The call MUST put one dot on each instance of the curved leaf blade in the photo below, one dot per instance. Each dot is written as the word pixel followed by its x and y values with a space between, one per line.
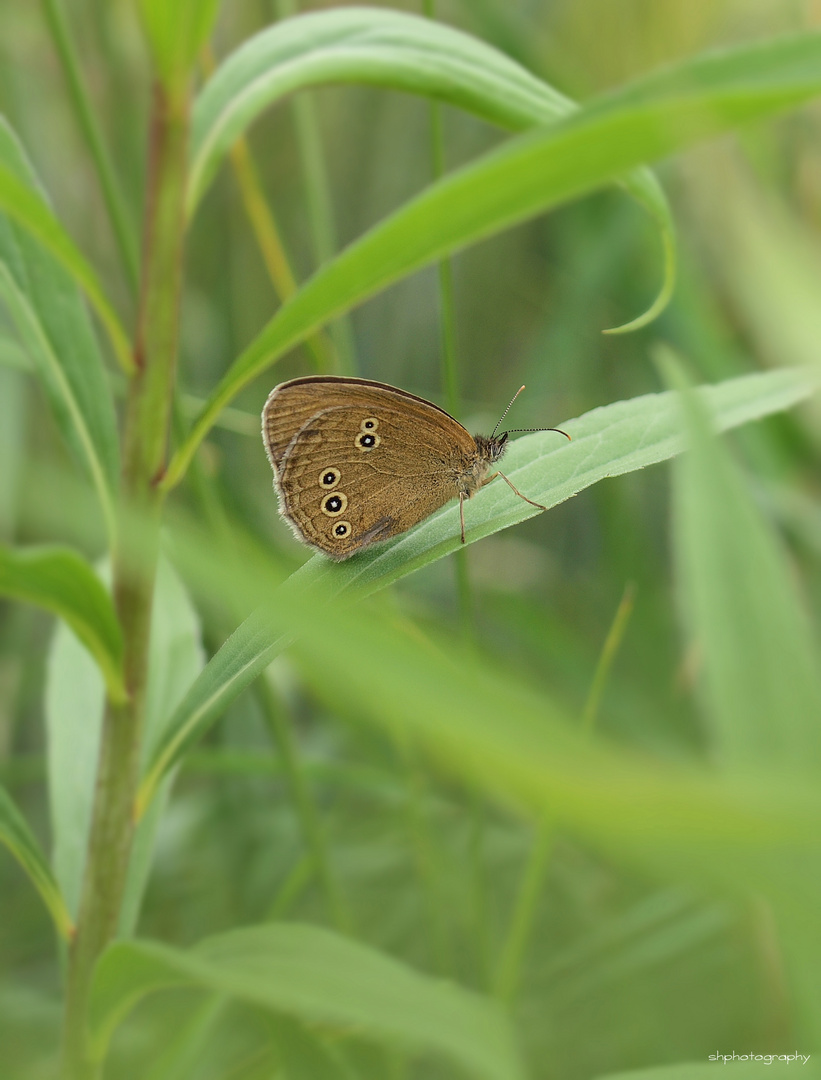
pixel 18 838
pixel 402 52
pixel 315 975
pixel 30 211
pixel 55 329
pixel 59 580
pixel 608 441
pixel 533 172
pixel 365 45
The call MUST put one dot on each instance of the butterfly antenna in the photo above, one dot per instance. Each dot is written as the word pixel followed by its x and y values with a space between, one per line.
pixel 507 410
pixel 558 429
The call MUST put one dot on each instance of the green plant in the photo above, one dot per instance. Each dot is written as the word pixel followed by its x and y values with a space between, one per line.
pixel 334 1002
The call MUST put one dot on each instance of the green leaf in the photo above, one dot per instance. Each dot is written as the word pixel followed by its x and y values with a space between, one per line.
pixel 317 976
pixel 760 664
pixel 398 51
pixel 26 206
pixel 531 173
pixel 18 838
pixel 176 32
pixel 74 709
pixel 54 327
pixel 608 441
pixel 59 580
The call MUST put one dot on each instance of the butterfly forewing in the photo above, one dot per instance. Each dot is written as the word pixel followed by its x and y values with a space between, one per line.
pixel 291 404
pixel 365 467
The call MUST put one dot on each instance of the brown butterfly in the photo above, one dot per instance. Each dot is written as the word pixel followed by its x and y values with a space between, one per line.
pixel 357 461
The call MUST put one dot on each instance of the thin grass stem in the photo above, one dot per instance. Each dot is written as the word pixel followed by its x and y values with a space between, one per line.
pixel 608 654
pixel 320 205
pixel 310 823
pixel 115 203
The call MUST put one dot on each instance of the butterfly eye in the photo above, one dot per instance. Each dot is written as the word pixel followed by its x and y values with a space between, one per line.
pixel 369 424
pixel 329 478
pixel 366 441
pixel 342 528
pixel 334 504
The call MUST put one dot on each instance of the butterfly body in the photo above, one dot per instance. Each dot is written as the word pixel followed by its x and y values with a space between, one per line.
pixel 357 461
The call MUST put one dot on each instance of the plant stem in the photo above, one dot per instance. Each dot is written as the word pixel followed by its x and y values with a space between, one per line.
pixel 115 204
pixel 148 410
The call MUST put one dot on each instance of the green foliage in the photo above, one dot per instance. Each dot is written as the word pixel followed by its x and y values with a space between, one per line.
pixel 512 893
pixel 528 175
pixel 17 837
pixel 316 976
pixel 60 581
pixel 739 596
pixel 74 715
pixel 612 440
pixel 54 326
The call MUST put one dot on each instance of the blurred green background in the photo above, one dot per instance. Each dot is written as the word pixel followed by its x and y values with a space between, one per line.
pixel 620 970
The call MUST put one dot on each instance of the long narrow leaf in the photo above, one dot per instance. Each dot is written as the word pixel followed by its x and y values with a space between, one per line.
pixel 390 49
pixel 60 581
pixel 27 208
pixel 531 173
pixel 317 976
pixel 16 835
pixel 609 441
pixel 761 667
pixel 54 327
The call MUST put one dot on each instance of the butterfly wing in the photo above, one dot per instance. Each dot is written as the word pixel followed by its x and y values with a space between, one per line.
pixel 369 468
pixel 291 404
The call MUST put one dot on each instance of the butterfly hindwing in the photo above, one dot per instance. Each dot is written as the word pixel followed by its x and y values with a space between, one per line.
pixel 369 469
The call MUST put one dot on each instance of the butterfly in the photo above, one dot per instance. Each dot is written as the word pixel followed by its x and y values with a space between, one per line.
pixel 356 462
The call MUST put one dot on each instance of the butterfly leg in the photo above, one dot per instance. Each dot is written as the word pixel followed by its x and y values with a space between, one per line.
pixel 513 487
pixel 462 513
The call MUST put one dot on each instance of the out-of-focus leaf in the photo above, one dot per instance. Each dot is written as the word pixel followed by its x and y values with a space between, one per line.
pixel 761 668
pixel 27 207
pixel 396 50
pixel 608 441
pixel 74 709
pixel 54 327
pixel 59 580
pixel 176 32
pixel 16 835
pixel 642 122
pixel 320 977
